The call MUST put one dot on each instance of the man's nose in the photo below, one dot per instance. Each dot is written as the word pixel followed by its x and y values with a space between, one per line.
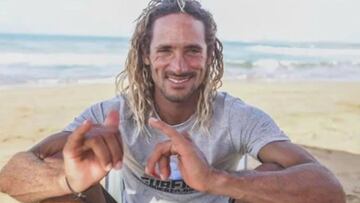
pixel 177 63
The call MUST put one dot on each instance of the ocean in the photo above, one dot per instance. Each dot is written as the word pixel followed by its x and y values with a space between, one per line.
pixel 56 59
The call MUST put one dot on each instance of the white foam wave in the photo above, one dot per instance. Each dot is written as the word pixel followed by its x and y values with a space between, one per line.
pixel 61 59
pixel 267 63
pixel 274 63
pixel 295 51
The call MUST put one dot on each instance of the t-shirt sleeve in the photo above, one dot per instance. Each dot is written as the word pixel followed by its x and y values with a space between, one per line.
pixel 252 129
pixel 95 113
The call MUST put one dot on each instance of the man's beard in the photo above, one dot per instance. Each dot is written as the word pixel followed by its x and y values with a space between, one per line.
pixel 180 98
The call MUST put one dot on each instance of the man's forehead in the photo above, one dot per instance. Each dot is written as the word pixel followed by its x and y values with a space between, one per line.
pixel 184 18
pixel 178 27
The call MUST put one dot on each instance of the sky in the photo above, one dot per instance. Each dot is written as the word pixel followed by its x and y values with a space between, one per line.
pixel 245 20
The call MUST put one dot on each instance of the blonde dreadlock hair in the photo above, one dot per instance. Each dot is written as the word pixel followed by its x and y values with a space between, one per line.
pixel 135 81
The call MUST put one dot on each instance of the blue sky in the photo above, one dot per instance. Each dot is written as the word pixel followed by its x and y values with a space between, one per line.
pixel 248 20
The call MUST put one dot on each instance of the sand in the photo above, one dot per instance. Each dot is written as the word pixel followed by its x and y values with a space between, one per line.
pixel 323 116
pixel 320 114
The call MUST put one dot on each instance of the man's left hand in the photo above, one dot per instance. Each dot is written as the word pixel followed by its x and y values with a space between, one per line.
pixel 192 163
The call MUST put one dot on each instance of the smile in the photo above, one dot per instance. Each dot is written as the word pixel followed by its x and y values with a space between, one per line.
pixel 177 80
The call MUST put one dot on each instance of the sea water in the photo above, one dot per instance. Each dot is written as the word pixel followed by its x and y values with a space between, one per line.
pixel 54 59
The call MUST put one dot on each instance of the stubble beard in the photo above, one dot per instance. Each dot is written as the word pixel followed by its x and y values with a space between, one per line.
pixel 194 90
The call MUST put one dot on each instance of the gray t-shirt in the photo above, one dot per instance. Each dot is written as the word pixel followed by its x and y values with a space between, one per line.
pixel 236 129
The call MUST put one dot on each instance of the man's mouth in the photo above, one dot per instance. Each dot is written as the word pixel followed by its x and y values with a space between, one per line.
pixel 179 79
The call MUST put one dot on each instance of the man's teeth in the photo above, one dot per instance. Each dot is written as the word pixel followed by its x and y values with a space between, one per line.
pixel 177 81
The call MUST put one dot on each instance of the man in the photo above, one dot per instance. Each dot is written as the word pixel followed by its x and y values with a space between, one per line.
pixel 174 137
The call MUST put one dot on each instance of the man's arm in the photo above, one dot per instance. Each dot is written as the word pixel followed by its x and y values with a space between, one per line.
pixel 36 174
pixel 303 179
pixel 84 157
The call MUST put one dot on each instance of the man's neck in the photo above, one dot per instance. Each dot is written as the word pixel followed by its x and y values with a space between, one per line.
pixel 175 112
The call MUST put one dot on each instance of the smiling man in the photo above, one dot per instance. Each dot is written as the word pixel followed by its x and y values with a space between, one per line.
pixel 170 136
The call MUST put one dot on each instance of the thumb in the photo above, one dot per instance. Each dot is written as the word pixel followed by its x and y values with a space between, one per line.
pixel 112 119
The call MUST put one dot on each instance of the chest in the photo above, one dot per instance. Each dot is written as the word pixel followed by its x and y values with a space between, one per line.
pixel 216 146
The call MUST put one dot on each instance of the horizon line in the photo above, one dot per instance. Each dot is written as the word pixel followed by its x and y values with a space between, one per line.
pixel 67 35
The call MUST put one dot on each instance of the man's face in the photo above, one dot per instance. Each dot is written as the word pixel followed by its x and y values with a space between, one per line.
pixel 178 56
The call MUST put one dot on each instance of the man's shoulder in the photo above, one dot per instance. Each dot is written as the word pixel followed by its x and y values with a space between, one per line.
pixel 112 103
pixel 226 100
pixel 117 103
pixel 235 106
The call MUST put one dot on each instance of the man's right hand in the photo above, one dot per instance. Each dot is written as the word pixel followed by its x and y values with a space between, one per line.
pixel 91 151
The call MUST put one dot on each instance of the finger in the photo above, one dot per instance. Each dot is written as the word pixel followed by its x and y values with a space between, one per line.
pixel 101 151
pixel 76 139
pixel 166 129
pixel 115 145
pixel 119 139
pixel 115 149
pixel 164 167
pixel 161 149
pixel 99 129
pixel 112 119
pixel 113 142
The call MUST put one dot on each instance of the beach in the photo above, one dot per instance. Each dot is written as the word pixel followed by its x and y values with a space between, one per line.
pixel 322 116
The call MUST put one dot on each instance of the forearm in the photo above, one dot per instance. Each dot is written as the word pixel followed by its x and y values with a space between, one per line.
pixel 302 183
pixel 28 178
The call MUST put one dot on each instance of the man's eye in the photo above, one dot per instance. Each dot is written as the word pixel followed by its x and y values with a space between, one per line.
pixel 194 51
pixel 163 50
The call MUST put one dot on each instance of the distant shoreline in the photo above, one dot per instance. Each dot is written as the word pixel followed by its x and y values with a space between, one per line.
pixel 50 59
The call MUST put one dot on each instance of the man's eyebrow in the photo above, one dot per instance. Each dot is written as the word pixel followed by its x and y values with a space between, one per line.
pixel 194 46
pixel 190 46
pixel 163 46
